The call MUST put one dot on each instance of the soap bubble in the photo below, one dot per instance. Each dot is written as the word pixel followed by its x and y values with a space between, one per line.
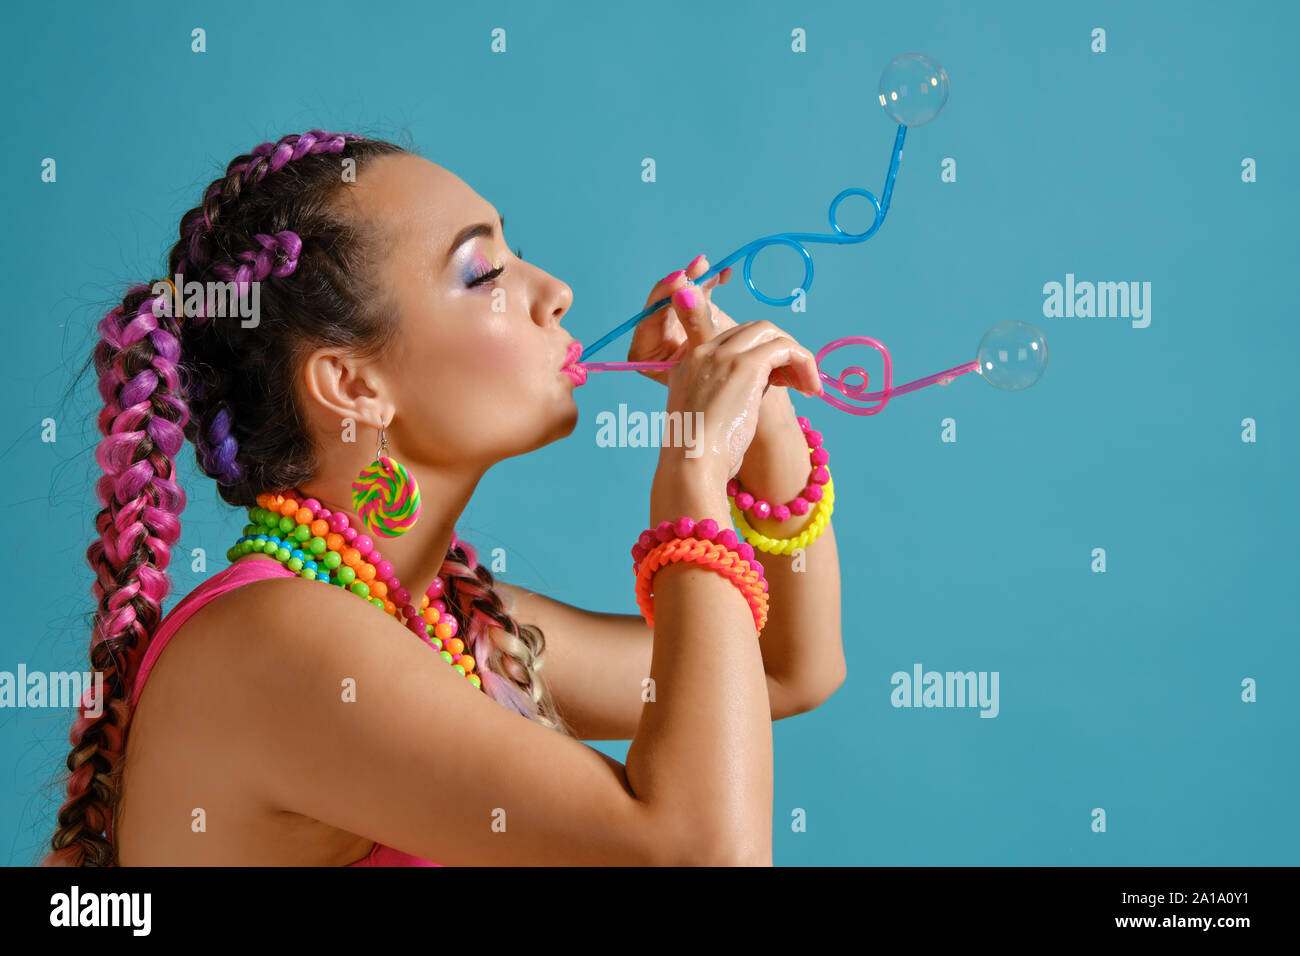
pixel 913 89
pixel 1012 355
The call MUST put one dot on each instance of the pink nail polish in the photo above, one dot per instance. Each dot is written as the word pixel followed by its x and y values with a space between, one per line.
pixel 696 261
pixel 674 276
pixel 684 298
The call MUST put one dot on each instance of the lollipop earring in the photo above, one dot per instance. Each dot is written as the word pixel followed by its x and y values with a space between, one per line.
pixel 385 495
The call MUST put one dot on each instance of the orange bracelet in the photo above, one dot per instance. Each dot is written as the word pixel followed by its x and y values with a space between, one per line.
pixel 718 557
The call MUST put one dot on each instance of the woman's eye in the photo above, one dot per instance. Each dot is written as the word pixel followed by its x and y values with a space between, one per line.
pixel 491 274
pixel 488 276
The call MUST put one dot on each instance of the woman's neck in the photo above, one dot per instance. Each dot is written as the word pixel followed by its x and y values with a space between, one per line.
pixel 417 555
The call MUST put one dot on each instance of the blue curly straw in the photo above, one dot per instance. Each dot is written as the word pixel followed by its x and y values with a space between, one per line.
pixel 793 239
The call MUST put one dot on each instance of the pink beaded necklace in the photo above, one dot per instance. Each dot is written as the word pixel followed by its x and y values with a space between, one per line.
pixel 322 545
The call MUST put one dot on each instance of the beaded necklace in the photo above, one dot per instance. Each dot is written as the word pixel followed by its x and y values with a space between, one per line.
pixel 321 545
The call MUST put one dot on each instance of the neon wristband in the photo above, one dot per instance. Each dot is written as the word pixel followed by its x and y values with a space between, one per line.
pixel 716 557
pixel 786 545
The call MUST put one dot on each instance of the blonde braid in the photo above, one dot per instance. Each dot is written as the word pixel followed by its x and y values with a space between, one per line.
pixel 511 655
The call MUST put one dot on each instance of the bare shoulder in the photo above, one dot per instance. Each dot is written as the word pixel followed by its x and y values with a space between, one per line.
pixel 283 636
pixel 334 714
pixel 194 765
pixel 360 724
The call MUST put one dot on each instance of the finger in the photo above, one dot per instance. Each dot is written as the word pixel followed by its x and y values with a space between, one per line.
pixel 695 314
pixel 746 335
pixel 699 265
pixel 671 335
pixel 785 357
pixel 665 287
pixel 802 372
pixel 655 336
pixel 717 279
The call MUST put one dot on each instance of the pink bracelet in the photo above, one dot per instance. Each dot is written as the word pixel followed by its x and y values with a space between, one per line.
pixel 706 530
pixel 707 554
pixel 758 509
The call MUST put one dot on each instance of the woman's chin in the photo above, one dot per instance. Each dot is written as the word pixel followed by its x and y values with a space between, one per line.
pixel 563 422
pixel 570 418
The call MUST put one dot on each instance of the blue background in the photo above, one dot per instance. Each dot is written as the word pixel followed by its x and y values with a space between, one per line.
pixel 1119 690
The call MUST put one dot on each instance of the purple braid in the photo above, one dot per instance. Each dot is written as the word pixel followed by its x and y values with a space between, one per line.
pixel 266 158
pixel 218 449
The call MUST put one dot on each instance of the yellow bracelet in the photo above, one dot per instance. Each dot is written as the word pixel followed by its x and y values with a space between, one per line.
pixel 809 534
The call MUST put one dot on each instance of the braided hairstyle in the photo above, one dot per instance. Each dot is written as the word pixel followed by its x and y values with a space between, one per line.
pixel 227 388
pixel 514 653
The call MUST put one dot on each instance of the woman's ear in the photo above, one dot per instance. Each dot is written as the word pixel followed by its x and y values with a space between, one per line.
pixel 343 387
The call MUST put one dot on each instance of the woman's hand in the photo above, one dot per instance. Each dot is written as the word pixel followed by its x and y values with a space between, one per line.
pixel 660 336
pixel 723 376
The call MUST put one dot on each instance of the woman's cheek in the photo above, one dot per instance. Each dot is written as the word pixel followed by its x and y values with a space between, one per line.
pixel 504 352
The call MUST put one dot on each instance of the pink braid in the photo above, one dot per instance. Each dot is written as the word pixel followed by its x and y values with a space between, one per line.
pixel 143 426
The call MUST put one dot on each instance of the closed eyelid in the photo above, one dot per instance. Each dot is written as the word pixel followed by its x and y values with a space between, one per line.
pixel 470 232
pixel 477 268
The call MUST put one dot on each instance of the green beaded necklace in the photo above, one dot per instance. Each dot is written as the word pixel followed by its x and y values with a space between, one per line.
pixel 291 542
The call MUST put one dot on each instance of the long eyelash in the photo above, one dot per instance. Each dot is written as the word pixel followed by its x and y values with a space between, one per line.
pixel 489 276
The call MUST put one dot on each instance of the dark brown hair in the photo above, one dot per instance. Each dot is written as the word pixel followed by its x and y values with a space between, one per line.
pixel 227 388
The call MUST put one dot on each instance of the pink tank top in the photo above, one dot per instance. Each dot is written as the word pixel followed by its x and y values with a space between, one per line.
pixel 241 572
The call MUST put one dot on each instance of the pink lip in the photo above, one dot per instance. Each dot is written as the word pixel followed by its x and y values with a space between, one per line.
pixel 577 374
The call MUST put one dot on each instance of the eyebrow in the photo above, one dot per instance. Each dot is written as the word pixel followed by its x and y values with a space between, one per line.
pixel 469 232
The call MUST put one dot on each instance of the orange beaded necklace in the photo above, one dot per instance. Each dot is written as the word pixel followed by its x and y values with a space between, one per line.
pixel 321 545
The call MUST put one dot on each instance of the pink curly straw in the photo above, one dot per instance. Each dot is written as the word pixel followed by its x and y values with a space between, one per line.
pixel 857 392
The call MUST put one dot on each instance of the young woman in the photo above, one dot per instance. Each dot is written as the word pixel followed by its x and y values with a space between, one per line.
pixel 289 722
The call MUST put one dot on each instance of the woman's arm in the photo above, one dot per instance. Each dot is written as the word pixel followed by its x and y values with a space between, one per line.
pixel 802 643
pixel 596 662
pixel 332 711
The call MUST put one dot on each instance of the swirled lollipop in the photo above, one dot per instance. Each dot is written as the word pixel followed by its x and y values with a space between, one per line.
pixel 386 497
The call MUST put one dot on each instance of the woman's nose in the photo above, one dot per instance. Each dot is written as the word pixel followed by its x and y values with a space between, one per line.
pixel 558 303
